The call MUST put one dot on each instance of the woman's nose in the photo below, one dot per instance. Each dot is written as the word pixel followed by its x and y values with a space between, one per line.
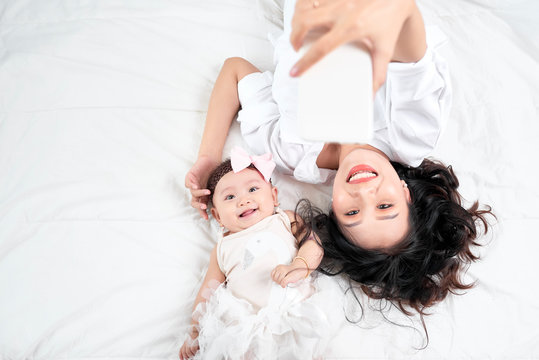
pixel 362 191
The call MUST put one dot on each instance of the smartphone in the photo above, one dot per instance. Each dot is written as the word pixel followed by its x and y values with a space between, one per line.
pixel 335 100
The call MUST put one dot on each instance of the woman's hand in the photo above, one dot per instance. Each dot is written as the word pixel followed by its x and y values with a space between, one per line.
pixel 380 26
pixel 196 179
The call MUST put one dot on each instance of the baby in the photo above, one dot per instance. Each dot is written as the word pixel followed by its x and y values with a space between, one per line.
pixel 255 258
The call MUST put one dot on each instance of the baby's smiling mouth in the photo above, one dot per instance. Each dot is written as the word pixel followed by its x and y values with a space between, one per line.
pixel 247 213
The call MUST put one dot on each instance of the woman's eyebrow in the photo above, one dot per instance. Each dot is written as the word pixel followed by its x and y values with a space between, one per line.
pixel 387 217
pixel 353 224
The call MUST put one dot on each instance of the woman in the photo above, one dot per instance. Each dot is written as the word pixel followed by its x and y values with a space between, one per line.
pixel 396 224
pixel 417 250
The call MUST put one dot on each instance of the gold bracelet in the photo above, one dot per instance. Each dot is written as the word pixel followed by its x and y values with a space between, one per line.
pixel 306 264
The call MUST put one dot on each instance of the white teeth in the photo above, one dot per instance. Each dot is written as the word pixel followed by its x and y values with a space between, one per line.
pixel 362 175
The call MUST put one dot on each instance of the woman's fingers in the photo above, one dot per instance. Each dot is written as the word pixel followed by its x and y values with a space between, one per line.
pixel 204 214
pixel 199 198
pixel 302 22
pixel 201 208
pixel 191 181
pixel 309 18
pixel 200 202
pixel 200 192
pixel 197 204
pixel 373 24
pixel 320 48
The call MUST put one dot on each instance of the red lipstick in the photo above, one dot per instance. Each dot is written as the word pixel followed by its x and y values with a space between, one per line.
pixel 361 169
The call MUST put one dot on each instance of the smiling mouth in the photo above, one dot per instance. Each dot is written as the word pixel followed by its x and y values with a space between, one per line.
pixel 247 213
pixel 361 173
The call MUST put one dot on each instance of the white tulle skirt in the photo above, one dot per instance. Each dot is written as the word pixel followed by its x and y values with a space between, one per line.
pixel 291 326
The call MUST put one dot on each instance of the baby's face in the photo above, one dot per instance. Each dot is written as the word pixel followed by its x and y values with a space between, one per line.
pixel 242 199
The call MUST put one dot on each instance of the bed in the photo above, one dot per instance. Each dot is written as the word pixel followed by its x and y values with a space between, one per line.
pixel 102 106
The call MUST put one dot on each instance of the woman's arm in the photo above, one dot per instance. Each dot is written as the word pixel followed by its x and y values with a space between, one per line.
pixel 212 278
pixel 412 42
pixel 307 259
pixel 223 107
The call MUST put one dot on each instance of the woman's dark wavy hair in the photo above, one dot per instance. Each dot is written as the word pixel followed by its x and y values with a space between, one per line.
pixel 427 265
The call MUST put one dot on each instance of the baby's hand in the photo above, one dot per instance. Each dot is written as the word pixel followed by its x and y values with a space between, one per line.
pixel 189 348
pixel 287 274
pixel 195 179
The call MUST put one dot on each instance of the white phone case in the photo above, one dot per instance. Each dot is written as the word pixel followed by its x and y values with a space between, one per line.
pixel 335 97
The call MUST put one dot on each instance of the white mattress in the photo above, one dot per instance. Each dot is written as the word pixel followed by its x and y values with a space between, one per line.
pixel 102 105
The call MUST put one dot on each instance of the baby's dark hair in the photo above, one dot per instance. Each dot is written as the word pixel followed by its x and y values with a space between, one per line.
pixel 427 265
pixel 221 170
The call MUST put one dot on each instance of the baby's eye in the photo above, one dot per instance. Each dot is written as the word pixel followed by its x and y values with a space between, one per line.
pixel 229 197
pixel 253 189
pixel 352 213
pixel 384 206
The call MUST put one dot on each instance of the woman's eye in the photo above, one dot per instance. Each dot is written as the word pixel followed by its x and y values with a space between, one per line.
pixel 384 206
pixel 352 213
pixel 253 189
pixel 229 197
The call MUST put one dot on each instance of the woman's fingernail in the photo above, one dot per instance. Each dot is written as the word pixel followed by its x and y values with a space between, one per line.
pixel 294 71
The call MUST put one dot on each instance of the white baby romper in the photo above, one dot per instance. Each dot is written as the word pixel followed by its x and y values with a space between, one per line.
pixel 250 315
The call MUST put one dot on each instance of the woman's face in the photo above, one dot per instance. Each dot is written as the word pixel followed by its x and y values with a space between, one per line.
pixel 370 201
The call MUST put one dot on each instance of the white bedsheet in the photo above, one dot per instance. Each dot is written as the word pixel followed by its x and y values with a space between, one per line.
pixel 102 106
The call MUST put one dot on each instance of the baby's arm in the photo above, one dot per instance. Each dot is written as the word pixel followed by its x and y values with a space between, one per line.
pixel 224 104
pixel 307 259
pixel 213 275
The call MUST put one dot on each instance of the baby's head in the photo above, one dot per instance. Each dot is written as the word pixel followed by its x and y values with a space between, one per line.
pixel 241 197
